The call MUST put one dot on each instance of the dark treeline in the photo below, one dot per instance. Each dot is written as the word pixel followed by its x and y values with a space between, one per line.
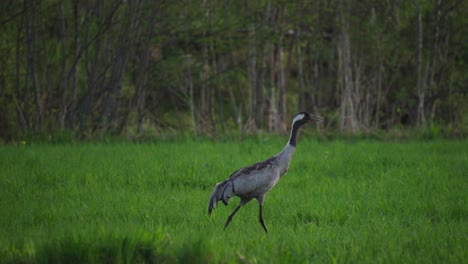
pixel 117 67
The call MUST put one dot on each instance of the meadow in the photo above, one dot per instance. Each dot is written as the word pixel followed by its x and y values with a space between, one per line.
pixel 341 202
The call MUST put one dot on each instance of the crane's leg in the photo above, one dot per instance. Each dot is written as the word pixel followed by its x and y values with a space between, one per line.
pixel 260 218
pixel 232 215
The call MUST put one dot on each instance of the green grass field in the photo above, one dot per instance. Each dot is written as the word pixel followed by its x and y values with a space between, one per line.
pixel 341 202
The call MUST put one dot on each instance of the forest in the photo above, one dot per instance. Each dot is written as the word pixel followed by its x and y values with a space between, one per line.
pixel 133 68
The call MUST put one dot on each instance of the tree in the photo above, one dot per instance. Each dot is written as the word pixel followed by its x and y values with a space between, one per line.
pixel 134 67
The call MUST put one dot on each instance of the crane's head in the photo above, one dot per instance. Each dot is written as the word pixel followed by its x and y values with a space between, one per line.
pixel 304 118
pixel 299 120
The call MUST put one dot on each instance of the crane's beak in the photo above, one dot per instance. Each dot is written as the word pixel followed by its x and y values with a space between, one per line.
pixel 315 118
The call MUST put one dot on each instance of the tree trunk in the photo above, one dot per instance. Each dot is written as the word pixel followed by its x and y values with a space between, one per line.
pixel 348 121
pixel 189 81
pixel 281 84
pixel 92 68
pixel 259 103
pixel 22 114
pixel 63 68
pixel 30 8
pixel 252 72
pixel 421 119
pixel 273 104
pixel 123 46
pixel 235 110
pixel 73 70
pixel 300 73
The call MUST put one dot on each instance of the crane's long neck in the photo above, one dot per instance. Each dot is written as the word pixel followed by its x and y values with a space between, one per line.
pixel 293 135
pixel 286 154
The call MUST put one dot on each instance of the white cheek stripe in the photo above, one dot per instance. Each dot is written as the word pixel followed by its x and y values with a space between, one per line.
pixel 298 117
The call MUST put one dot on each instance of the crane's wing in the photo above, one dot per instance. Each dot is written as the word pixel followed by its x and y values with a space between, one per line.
pixel 253 168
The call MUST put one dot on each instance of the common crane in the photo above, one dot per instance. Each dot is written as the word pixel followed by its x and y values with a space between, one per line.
pixel 255 181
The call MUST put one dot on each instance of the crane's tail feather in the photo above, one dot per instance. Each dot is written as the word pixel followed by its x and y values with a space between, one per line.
pixel 219 195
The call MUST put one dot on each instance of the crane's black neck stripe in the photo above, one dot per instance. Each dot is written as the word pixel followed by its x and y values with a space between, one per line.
pixel 294 129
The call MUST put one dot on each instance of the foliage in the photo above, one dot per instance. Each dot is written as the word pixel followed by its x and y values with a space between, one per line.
pixel 129 68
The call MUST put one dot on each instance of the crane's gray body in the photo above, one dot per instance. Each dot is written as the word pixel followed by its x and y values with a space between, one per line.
pixel 255 181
